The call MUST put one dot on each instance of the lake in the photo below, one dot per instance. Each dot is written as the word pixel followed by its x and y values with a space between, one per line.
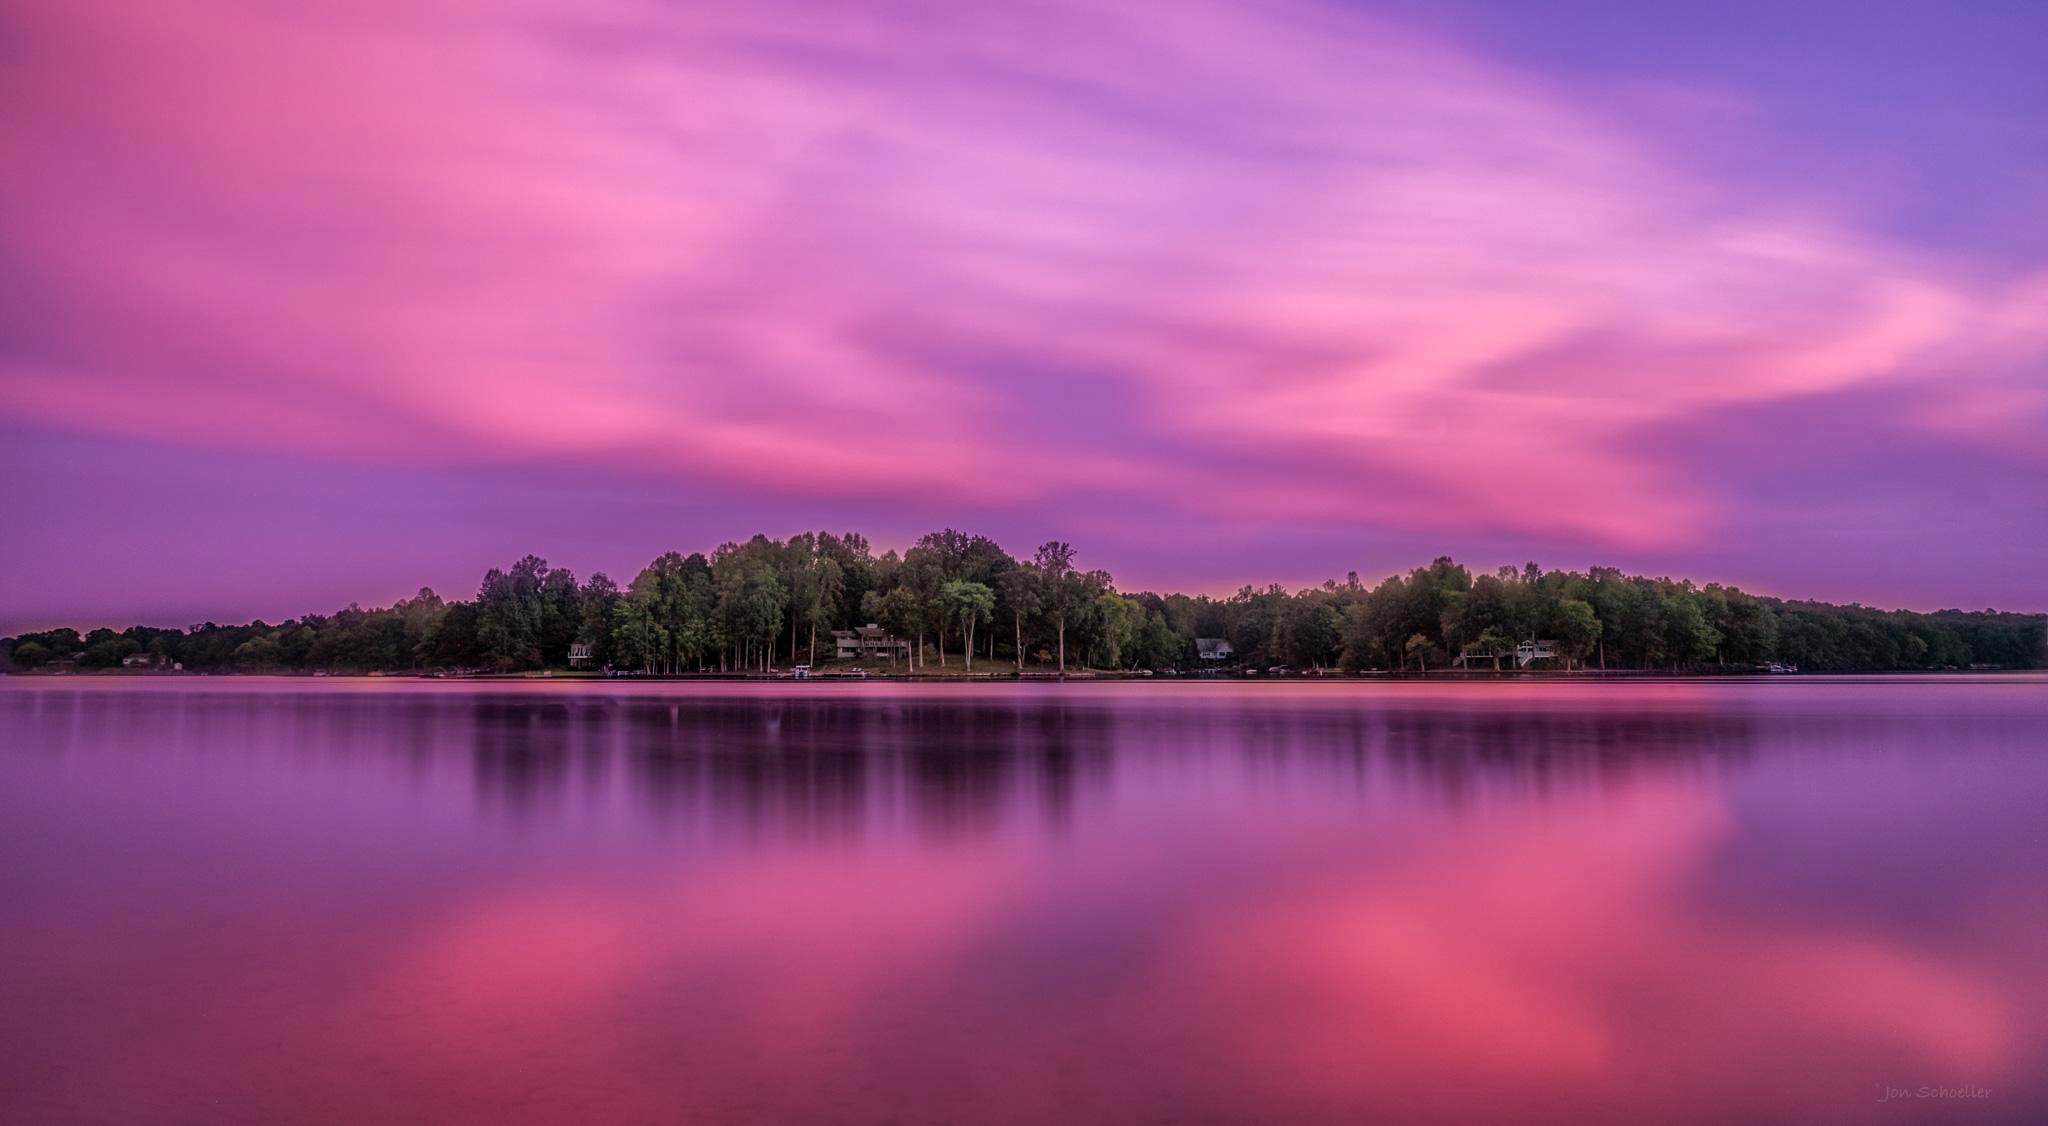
pixel 1787 900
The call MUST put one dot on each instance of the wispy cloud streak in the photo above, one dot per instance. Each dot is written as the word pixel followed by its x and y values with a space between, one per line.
pixel 1274 260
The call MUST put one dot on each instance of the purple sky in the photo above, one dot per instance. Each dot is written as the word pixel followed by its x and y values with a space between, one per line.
pixel 309 303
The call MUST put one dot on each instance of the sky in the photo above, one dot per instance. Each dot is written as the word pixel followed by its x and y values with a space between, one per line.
pixel 310 303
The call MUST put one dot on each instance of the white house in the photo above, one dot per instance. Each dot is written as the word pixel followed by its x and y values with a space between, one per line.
pixel 1538 650
pixel 1213 649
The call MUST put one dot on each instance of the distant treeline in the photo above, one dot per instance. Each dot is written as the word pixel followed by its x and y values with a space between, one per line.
pixel 753 604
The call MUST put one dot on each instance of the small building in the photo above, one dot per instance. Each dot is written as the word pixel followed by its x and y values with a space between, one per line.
pixel 849 644
pixel 1213 650
pixel 139 661
pixel 1477 651
pixel 580 655
pixel 1538 650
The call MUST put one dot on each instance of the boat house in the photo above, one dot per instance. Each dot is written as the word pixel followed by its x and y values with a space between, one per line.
pixel 1525 654
pixel 1531 651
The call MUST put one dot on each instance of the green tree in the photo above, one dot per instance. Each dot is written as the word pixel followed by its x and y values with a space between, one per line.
pixel 451 644
pixel 827 586
pixel 897 611
pixel 509 615
pixel 258 652
pixel 1575 628
pixel 596 604
pixel 1059 588
pixel 1023 591
pixel 1420 649
pixel 638 638
pixel 1157 644
pixel 751 601
pixel 684 611
pixel 969 603
pixel 1115 622
pixel 1311 631
pixel 29 654
pixel 1496 643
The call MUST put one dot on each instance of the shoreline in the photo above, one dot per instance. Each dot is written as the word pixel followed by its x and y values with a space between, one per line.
pixel 1578 676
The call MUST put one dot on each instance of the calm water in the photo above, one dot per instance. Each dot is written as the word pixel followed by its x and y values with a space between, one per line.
pixel 300 901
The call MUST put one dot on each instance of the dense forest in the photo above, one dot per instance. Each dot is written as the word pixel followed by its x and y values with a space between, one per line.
pixel 958 597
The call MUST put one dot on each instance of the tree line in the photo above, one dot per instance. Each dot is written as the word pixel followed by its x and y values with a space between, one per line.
pixel 955 597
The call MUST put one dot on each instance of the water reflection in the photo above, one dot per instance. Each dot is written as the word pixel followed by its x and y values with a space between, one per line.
pixel 1602 904
pixel 827 768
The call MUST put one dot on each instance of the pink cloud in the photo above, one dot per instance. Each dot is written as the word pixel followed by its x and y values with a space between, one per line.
pixel 707 241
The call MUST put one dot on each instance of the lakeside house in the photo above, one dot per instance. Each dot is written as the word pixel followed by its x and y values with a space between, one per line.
pixel 1530 651
pixel 1525 654
pixel 1213 650
pixel 848 644
pixel 580 656
pixel 139 661
pixel 1474 652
